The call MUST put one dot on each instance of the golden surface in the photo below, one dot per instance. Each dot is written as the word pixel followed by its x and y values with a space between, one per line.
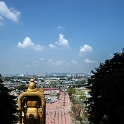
pixel 31 103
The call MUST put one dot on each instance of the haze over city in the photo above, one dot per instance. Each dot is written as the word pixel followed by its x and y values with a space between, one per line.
pixel 59 36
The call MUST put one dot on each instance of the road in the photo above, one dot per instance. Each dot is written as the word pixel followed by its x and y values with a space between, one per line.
pixel 58 112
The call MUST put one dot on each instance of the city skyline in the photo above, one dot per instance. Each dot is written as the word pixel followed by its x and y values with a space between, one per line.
pixel 64 36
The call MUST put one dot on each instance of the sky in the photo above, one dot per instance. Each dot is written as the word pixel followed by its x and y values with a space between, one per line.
pixel 59 36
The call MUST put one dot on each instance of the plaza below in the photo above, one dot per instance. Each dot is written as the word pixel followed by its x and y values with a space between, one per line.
pixel 59 112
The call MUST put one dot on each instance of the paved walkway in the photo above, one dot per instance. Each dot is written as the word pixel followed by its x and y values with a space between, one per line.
pixel 58 112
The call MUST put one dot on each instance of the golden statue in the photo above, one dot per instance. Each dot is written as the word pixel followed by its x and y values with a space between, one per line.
pixel 32 104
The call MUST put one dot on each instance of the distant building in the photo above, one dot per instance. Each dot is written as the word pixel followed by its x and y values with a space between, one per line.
pixel 59 74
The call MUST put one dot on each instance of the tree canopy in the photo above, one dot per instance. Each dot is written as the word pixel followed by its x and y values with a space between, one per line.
pixel 70 91
pixel 22 87
pixel 7 105
pixel 107 91
pixel 78 108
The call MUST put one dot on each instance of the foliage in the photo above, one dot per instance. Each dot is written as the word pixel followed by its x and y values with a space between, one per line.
pixel 107 91
pixel 7 105
pixel 21 87
pixel 83 81
pixel 80 92
pixel 77 82
pixel 83 97
pixel 77 112
pixel 70 91
pixel 58 95
pixel 53 84
pixel 78 108
pixel 41 80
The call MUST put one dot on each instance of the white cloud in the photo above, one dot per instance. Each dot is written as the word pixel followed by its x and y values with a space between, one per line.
pixel 9 13
pixel 42 59
pixel 60 27
pixel 37 47
pixel 62 41
pixel 52 46
pixel 89 61
pixel 27 43
pixel 74 62
pixel 85 48
pixel 57 63
pixel 51 61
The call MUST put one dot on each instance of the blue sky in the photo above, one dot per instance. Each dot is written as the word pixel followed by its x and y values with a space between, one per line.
pixel 45 36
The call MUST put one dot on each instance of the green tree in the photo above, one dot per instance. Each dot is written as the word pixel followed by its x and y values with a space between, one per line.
pixel 83 81
pixel 83 97
pixel 78 108
pixel 7 105
pixel 107 91
pixel 22 87
pixel 77 112
pixel 70 91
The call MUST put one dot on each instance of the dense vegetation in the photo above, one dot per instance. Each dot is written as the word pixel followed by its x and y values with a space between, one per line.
pixel 78 108
pixel 22 87
pixel 7 105
pixel 107 91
